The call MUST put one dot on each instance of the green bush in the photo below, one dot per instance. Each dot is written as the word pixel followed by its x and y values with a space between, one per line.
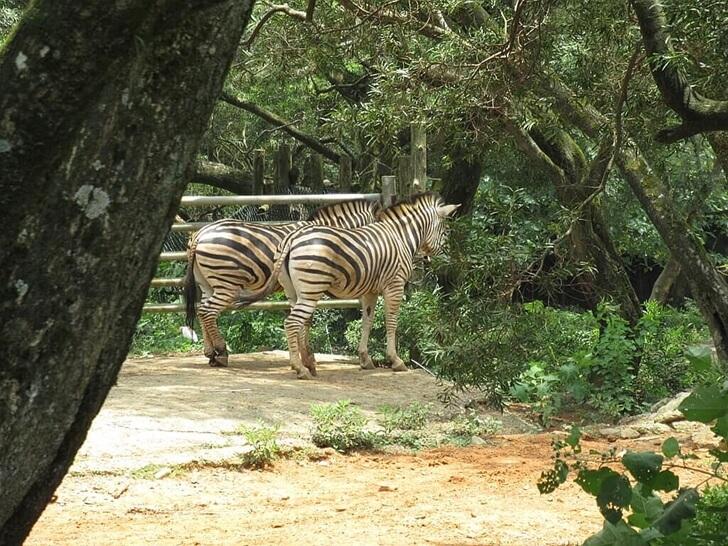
pixel 160 333
pixel 464 427
pixel 341 426
pixel 265 448
pixel 411 417
pixel 633 511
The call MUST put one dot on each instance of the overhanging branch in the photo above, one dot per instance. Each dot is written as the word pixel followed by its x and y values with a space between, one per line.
pixel 283 125
pixel 698 113
pixel 223 176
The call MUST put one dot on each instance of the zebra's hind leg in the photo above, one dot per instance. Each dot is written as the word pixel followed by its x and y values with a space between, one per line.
pixel 295 333
pixel 392 301
pixel 368 304
pixel 307 356
pixel 214 343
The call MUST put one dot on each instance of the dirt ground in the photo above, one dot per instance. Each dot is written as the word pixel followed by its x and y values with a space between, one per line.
pixel 176 410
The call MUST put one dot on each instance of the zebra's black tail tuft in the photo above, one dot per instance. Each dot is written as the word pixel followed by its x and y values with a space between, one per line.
pixel 190 289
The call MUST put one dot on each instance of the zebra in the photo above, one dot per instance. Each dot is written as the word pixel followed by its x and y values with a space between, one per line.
pixel 227 256
pixel 355 263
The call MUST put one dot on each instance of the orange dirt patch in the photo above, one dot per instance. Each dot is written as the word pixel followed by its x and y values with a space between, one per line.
pixel 173 410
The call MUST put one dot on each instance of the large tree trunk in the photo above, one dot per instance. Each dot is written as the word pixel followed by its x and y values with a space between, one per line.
pixel 460 182
pixel 101 111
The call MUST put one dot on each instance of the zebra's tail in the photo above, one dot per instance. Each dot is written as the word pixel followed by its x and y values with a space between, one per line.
pixel 246 297
pixel 190 284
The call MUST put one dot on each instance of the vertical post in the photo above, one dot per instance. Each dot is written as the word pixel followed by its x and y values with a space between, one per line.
pixel 283 169
pixel 313 175
pixel 345 172
pixel 258 172
pixel 389 190
pixel 404 175
pixel 418 145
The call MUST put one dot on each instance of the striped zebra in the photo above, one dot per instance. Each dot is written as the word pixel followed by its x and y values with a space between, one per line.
pixel 355 263
pixel 228 256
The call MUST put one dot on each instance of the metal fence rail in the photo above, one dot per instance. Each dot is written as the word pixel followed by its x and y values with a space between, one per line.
pixel 242 200
pixel 322 199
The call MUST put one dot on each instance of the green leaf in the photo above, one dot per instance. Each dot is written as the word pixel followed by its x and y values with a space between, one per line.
pixel 619 534
pixel 722 456
pixel 614 495
pixel 699 357
pixel 644 466
pixel 591 480
pixel 574 436
pixel 670 447
pixel 721 427
pixel 665 481
pixel 705 403
pixel 646 506
pixel 676 511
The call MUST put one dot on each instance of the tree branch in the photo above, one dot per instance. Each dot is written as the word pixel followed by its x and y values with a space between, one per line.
pixel 529 146
pixel 283 8
pixel 222 176
pixel 273 119
pixel 698 113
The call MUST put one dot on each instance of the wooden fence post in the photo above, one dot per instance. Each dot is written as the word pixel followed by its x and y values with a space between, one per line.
pixel 258 172
pixel 404 175
pixel 283 169
pixel 389 190
pixel 418 147
pixel 313 173
pixel 345 173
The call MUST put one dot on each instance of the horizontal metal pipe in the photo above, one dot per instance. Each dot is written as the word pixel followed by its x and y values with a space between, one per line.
pixel 173 256
pixel 169 282
pixel 325 198
pixel 194 226
pixel 258 306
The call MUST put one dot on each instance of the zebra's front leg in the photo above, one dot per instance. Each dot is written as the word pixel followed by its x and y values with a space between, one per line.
pixel 295 325
pixel 368 305
pixel 392 301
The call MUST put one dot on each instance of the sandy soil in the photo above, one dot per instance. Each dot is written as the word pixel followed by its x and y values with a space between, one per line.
pixel 166 411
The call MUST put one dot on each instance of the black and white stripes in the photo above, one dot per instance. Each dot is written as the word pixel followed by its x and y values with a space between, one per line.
pixel 363 263
pixel 228 256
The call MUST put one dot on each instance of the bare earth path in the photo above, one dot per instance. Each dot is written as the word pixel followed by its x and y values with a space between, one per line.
pixel 166 411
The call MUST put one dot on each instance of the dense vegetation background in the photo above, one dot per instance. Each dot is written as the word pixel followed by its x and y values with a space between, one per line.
pixel 549 295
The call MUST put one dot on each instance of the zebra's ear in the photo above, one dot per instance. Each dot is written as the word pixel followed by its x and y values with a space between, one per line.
pixel 447 210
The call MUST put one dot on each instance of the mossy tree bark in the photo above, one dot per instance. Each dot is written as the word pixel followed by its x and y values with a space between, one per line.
pixel 101 112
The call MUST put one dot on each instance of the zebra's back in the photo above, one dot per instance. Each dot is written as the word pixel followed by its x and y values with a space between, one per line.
pixel 230 254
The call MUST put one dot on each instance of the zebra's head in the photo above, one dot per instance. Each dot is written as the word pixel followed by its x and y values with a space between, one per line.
pixel 432 213
pixel 347 214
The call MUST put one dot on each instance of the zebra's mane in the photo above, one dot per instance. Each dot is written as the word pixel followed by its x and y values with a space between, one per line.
pixel 410 200
pixel 373 206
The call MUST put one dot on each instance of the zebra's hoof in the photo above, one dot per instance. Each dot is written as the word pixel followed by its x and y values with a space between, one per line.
pixel 219 361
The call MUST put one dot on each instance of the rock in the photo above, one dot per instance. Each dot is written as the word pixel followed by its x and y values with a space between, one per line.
pixel 652 428
pixel 689 427
pixel 625 433
pixel 477 441
pixel 668 413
